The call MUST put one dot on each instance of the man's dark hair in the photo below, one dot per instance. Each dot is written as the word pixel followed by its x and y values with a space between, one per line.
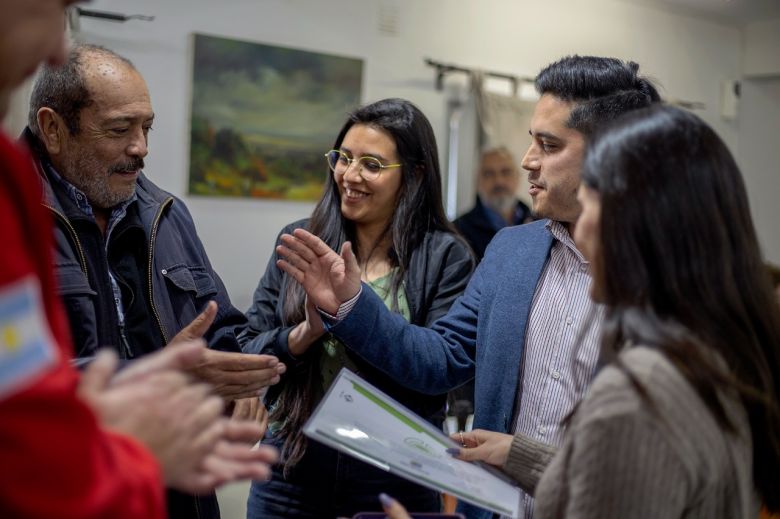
pixel 602 88
pixel 64 88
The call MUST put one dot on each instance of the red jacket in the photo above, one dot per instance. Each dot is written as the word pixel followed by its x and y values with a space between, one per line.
pixel 55 460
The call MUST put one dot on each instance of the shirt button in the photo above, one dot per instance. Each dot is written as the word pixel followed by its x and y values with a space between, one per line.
pixel 556 375
pixel 569 320
pixel 542 430
pixel 164 271
pixel 583 268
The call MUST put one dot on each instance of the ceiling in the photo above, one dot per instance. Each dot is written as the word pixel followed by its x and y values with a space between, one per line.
pixel 734 12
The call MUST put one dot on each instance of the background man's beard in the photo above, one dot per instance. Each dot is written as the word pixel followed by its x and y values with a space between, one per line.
pixel 500 203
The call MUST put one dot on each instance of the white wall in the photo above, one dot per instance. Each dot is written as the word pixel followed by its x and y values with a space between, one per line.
pixel 762 43
pixel 689 57
pixel 759 157
pixel 759 130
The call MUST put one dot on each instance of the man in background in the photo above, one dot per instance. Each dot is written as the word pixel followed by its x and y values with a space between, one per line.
pixel 498 179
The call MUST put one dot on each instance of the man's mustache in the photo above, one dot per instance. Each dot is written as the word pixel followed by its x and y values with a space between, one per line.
pixel 132 165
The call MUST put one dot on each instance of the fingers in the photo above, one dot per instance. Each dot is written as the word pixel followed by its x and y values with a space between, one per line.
pixel 296 273
pixel 243 362
pixel 480 445
pixel 350 261
pixel 470 454
pixel 239 375
pixel 468 439
pixel 292 246
pixel 231 392
pixel 319 247
pixel 229 462
pixel 183 356
pixel 248 422
pixel 233 379
pixel 199 326
pixel 261 416
pixel 393 508
pixel 244 452
pixel 242 431
pixel 209 435
pixel 268 454
pixel 96 377
pixel 241 409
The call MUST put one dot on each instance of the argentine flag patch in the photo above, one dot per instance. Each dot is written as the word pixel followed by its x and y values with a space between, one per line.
pixel 26 344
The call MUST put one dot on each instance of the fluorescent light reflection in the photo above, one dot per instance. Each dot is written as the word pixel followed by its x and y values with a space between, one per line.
pixel 355 434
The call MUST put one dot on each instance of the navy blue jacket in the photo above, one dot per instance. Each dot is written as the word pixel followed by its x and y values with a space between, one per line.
pixel 477 228
pixel 483 333
pixel 178 275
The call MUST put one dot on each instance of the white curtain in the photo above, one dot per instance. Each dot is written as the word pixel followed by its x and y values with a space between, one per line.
pixel 504 121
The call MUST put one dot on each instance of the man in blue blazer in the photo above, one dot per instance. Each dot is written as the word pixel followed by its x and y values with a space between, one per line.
pixel 525 326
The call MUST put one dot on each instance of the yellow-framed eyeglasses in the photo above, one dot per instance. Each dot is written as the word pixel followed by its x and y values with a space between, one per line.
pixel 369 168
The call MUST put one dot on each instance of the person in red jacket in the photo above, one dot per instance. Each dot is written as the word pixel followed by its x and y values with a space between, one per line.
pixel 104 444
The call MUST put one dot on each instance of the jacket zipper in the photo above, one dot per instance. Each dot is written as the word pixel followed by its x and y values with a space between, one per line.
pixel 66 222
pixel 152 236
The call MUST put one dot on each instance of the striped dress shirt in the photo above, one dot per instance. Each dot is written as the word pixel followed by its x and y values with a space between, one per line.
pixel 561 345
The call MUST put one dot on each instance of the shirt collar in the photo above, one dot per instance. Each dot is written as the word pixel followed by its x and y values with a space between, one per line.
pixel 560 234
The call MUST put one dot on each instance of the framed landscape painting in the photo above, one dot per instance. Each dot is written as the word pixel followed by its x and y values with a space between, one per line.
pixel 263 116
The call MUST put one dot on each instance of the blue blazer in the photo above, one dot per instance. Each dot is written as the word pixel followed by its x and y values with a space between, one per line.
pixel 482 335
pixel 484 329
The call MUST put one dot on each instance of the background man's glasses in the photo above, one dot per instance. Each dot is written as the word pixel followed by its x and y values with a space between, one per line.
pixel 369 168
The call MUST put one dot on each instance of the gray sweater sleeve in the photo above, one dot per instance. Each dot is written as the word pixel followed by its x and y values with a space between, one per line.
pixel 527 460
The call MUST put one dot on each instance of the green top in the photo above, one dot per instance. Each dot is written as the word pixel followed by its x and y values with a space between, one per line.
pixel 334 355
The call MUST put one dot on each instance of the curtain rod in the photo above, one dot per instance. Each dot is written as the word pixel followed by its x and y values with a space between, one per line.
pixel 114 17
pixel 443 69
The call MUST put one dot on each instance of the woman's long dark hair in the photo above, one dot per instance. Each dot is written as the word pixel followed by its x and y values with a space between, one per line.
pixel 681 268
pixel 418 211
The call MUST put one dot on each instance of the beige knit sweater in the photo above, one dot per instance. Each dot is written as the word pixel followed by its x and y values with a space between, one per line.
pixel 620 459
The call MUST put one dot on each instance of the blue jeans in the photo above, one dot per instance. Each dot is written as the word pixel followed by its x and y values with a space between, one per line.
pixel 326 483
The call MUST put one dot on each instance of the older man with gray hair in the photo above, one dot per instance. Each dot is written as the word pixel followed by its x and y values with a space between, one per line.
pixel 498 179
pixel 133 274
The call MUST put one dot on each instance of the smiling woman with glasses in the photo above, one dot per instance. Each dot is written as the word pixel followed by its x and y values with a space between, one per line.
pixel 384 197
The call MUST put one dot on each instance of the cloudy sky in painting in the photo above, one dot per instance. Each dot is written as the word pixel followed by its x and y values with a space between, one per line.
pixel 273 94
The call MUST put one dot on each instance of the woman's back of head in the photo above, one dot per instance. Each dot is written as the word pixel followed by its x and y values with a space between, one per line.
pixel 679 252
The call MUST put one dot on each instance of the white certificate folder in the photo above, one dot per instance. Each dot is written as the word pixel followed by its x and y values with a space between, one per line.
pixel 360 420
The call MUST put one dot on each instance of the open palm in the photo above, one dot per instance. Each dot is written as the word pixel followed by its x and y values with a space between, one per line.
pixel 328 278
